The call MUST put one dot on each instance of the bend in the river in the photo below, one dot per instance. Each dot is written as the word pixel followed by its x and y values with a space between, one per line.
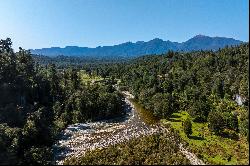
pixel 78 138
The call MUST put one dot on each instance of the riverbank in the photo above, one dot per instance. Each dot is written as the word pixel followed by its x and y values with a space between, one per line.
pixel 157 149
pixel 77 139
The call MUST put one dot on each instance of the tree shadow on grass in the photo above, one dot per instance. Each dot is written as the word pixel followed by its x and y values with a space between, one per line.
pixel 175 116
pixel 196 137
pixel 174 120
pixel 232 135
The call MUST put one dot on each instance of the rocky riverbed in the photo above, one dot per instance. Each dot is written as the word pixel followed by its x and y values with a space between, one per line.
pixel 79 138
pixel 76 139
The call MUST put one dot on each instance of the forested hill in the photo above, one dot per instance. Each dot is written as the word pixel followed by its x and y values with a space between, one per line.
pixel 38 101
pixel 129 49
pixel 203 83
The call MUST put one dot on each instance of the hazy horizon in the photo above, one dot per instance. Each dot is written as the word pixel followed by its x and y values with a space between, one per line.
pixel 132 42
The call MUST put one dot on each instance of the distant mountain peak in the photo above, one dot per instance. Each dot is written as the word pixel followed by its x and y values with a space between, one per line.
pixel 200 36
pixel 157 39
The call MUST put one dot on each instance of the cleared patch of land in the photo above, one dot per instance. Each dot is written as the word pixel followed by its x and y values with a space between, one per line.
pixel 210 148
pixel 87 78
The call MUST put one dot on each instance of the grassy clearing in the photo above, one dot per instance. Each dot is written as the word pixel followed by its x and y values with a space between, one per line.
pixel 210 148
pixel 86 78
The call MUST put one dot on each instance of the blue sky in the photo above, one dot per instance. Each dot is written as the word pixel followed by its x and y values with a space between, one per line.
pixel 47 23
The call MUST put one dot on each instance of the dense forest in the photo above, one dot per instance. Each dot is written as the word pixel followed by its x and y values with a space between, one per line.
pixel 208 88
pixel 40 96
pixel 206 84
pixel 39 101
pixel 62 61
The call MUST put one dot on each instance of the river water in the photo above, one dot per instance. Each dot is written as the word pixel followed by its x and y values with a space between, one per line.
pixel 76 139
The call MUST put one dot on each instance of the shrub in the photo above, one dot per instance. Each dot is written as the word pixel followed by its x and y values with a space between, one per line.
pixel 230 134
pixel 187 125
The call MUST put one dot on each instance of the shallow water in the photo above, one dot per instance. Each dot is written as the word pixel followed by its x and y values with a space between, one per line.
pixel 78 138
pixel 146 115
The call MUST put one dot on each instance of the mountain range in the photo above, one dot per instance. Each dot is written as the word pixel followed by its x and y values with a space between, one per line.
pixel 129 49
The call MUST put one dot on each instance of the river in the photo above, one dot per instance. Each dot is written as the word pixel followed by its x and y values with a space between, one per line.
pixel 76 139
pixel 79 138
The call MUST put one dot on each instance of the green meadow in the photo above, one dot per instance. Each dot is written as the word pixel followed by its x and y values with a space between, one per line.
pixel 212 149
